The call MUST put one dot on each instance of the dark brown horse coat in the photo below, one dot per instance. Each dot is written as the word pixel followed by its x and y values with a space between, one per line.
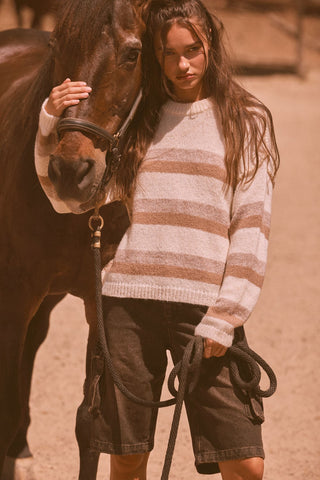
pixel 43 254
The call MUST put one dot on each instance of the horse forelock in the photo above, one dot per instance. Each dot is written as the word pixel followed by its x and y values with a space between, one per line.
pixel 81 23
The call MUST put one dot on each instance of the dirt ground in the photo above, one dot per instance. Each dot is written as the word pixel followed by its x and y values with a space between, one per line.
pixel 284 327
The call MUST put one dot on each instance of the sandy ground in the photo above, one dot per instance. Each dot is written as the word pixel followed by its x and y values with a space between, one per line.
pixel 284 327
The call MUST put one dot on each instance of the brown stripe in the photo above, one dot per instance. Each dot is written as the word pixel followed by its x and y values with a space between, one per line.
pixel 247 260
pixel 180 220
pixel 187 168
pixel 235 319
pixel 244 273
pixel 252 209
pixel 166 271
pixel 227 307
pixel 250 222
pixel 182 206
pixel 192 262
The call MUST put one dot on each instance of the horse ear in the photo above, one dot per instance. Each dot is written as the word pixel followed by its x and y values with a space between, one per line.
pixel 141 3
pixel 141 6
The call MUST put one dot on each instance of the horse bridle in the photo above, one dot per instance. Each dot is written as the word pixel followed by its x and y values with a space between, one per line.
pixel 113 154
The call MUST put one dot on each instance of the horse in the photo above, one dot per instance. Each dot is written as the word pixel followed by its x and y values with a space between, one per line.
pixel 39 9
pixel 43 254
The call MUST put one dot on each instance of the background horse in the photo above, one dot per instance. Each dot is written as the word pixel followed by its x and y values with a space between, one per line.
pixel 39 9
pixel 44 255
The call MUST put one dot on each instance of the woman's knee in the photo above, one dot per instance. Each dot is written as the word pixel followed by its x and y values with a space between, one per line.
pixel 128 467
pixel 242 469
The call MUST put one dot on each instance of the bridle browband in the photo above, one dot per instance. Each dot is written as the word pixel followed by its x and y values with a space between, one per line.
pixel 115 139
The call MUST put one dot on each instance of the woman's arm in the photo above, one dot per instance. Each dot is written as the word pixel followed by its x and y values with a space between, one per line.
pixel 246 260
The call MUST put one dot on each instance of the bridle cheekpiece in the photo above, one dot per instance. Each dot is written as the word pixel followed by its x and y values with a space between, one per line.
pixel 113 154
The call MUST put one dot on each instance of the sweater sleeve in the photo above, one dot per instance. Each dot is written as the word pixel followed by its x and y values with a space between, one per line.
pixel 246 260
pixel 45 144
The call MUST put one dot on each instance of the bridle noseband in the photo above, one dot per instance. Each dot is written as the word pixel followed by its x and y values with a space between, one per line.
pixel 113 155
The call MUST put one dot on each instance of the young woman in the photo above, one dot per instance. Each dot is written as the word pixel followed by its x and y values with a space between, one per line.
pixel 199 165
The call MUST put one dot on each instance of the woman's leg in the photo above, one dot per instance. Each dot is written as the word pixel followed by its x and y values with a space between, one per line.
pixel 243 469
pixel 128 467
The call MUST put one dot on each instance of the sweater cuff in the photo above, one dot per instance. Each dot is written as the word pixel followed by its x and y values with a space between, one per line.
pixel 47 122
pixel 215 329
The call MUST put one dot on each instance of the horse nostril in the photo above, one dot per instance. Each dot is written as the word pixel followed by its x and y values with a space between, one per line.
pixel 83 171
pixel 54 171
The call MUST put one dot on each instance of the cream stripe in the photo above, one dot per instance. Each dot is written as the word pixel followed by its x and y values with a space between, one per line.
pixel 242 242
pixel 183 187
pixel 162 240
pixel 240 290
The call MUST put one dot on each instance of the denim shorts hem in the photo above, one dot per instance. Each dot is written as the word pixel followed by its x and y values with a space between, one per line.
pixel 206 462
pixel 110 448
pixel 230 454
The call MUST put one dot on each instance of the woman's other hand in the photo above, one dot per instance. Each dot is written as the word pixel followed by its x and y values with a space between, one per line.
pixel 213 349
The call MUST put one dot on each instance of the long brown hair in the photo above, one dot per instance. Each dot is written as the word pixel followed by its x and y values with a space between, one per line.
pixel 246 122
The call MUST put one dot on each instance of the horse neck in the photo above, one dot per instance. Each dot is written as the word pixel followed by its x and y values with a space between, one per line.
pixel 19 121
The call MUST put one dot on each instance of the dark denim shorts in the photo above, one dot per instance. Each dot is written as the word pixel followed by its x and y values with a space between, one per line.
pixel 225 422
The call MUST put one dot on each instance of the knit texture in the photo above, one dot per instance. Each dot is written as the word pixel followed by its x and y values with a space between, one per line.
pixel 192 240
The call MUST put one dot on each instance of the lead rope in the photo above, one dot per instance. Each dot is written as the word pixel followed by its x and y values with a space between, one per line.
pixel 187 370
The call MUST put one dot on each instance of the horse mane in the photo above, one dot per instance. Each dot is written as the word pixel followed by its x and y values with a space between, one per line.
pixel 20 110
pixel 79 25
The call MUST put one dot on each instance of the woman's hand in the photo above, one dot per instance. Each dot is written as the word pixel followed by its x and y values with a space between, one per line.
pixel 213 349
pixel 64 95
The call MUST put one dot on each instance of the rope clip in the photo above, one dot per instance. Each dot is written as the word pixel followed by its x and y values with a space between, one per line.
pixel 96 224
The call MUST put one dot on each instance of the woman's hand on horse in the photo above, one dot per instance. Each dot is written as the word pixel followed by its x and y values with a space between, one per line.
pixel 211 348
pixel 65 95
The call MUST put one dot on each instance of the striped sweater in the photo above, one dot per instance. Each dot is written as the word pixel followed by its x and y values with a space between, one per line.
pixel 192 240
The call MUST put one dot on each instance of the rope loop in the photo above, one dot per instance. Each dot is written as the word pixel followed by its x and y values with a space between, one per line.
pixel 242 355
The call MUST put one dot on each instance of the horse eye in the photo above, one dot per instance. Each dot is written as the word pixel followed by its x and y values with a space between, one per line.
pixel 130 59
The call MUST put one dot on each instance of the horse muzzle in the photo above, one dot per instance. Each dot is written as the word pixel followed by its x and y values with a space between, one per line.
pixel 71 179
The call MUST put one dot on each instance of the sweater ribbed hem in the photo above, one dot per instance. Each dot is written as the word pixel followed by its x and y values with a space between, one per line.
pixel 164 293
pixel 209 331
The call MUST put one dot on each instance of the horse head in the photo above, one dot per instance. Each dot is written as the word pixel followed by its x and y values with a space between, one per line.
pixel 100 43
